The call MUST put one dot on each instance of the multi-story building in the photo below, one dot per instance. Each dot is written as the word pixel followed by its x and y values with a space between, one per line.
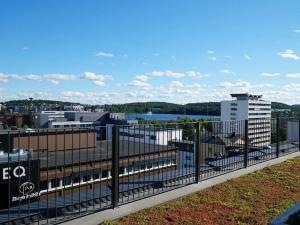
pixel 150 135
pixel 252 108
pixel 70 119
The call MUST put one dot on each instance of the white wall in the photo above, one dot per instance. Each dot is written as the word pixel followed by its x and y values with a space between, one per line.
pixel 149 136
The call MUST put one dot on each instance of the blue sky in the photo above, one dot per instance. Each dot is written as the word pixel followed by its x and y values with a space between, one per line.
pixel 125 51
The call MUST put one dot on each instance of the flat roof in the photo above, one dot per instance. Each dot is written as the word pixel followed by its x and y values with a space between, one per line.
pixel 102 152
pixel 245 95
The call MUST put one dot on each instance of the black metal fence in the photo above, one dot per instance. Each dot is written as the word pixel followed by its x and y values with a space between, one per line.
pixel 52 175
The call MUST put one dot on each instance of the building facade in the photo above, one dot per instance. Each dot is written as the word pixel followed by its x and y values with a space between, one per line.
pixel 252 108
pixel 150 135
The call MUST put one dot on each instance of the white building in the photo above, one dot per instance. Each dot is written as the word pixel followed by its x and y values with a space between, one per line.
pixel 78 108
pixel 46 117
pixel 150 135
pixel 252 108
pixel 70 124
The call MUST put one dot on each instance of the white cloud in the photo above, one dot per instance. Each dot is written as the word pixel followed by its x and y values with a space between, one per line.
pixel 293 75
pixel 296 31
pixel 289 54
pixel 226 71
pixel 176 83
pixel 97 79
pixel 177 75
pixel 212 58
pixel 139 84
pixel 144 63
pixel 104 54
pixel 3 78
pixel 72 94
pixel 265 74
pixel 55 82
pixel 195 74
pixel 142 78
pixel 209 51
pixel 247 57
pixel 33 77
pixel 32 94
pixel 24 77
pixel 60 76
pixel 238 84
pixel 167 73
pixel 99 83
pixel 241 85
pixel 267 85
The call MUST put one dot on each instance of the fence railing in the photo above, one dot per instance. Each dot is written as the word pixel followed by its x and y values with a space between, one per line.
pixel 53 175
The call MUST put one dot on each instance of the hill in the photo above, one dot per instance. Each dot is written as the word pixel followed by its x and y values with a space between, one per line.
pixel 279 105
pixel 203 108
pixel 209 108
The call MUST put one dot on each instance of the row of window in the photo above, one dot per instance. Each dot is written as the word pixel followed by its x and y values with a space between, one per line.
pixel 73 126
pixel 259 109
pixel 70 181
pixel 260 104
pixel 259 114
pixel 137 135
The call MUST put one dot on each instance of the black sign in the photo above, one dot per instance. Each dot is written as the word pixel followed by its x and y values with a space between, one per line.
pixel 19 182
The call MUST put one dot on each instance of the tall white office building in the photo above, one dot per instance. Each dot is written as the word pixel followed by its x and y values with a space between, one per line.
pixel 252 108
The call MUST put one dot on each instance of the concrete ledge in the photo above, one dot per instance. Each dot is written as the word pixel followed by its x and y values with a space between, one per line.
pixel 124 210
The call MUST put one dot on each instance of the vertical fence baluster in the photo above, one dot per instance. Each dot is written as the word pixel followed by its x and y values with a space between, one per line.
pixel 115 167
pixel 246 144
pixel 277 137
pixel 197 153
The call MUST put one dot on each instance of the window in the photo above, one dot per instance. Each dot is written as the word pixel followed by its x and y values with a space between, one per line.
pixel 54 183
pixel 67 181
pixel 136 168
pixel 86 178
pixel 96 176
pixel 104 173
pixel 149 165
pixel 130 169
pixel 121 170
pixel 153 137
pixel 44 185
pixel 76 180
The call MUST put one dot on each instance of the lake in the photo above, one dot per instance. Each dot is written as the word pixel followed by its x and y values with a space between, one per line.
pixel 167 117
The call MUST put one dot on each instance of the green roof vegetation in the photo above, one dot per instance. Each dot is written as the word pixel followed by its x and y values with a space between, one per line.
pixel 256 198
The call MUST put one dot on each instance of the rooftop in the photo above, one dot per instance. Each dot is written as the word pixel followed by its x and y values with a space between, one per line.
pixel 256 198
pixel 246 95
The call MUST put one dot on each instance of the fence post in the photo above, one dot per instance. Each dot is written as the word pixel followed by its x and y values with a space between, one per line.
pixel 115 167
pixel 246 144
pixel 277 136
pixel 197 153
